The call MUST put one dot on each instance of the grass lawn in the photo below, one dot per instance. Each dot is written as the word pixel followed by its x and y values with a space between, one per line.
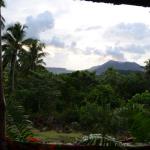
pixel 56 137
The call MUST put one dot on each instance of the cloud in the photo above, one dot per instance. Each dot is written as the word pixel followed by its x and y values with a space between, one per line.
pixel 135 49
pixel 93 50
pixel 58 59
pixel 119 52
pixel 61 42
pixel 128 31
pixel 57 42
pixel 73 44
pixel 128 39
pixel 40 23
pixel 90 28
pixel 115 53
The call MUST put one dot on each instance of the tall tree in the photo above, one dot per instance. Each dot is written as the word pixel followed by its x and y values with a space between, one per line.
pixel 14 41
pixel 2 99
pixel 36 54
pixel 147 68
pixel 33 58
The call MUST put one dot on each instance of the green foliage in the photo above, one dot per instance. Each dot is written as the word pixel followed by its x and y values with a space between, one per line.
pixel 58 137
pixel 89 101
pixel 98 139
pixel 141 118
pixel 32 59
pixel 125 86
pixel 18 124
pixel 143 98
pixel 89 116
pixel 38 91
pixel 147 68
pixel 111 104
pixel 20 53
pixel 2 4
pixel 75 86
pixel 134 83
pixel 97 118
pixel 103 95
pixel 135 120
pixel 141 127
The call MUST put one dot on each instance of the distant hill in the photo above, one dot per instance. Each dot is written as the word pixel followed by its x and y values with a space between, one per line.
pixel 58 70
pixel 123 67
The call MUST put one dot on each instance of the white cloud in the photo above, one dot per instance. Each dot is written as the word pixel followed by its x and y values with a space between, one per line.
pixel 128 32
pixel 40 23
pixel 84 34
pixel 57 42
pixel 115 54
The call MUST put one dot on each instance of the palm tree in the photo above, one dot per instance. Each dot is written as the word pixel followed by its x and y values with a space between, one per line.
pixel 36 54
pixel 33 58
pixel 14 41
pixel 147 68
pixel 2 99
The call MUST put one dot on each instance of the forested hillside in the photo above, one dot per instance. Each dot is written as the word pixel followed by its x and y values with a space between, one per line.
pixel 111 103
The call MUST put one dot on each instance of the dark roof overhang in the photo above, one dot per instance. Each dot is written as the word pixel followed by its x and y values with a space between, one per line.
pixel 144 3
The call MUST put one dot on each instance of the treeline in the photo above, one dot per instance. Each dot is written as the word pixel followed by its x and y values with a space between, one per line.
pixel 112 103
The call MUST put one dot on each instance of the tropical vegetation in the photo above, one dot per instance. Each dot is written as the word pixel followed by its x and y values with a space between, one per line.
pixel 112 104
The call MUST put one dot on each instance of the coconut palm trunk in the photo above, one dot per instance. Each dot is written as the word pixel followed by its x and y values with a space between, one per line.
pixel 12 72
pixel 14 40
pixel 2 99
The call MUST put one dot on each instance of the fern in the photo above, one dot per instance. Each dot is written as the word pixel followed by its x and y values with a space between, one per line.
pixel 18 125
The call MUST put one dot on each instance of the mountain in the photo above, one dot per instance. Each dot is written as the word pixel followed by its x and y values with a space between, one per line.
pixel 58 70
pixel 120 66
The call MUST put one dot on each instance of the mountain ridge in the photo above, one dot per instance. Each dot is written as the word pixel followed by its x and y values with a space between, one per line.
pixel 58 70
pixel 126 66
pixel 118 65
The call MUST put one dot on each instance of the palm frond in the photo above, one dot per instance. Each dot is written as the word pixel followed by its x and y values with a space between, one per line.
pixel 99 140
pixel 2 4
pixel 2 22
pixel 18 125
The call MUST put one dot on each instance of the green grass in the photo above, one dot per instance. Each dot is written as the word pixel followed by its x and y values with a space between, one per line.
pixel 55 137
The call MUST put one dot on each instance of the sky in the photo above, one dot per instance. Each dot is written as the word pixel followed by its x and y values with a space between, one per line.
pixel 80 34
